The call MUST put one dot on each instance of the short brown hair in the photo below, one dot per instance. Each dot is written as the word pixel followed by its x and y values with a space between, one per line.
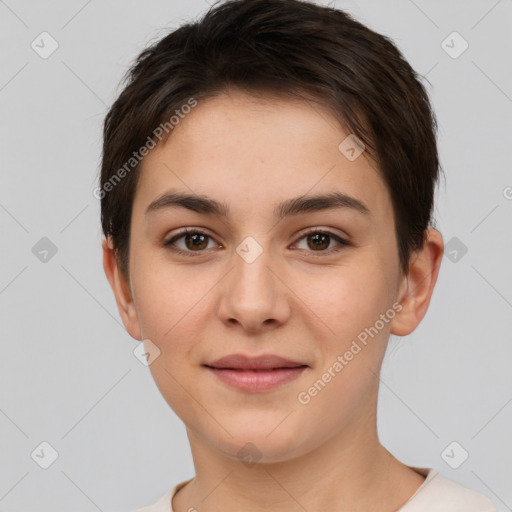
pixel 288 47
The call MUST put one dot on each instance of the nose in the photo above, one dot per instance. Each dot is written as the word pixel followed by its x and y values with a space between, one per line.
pixel 253 296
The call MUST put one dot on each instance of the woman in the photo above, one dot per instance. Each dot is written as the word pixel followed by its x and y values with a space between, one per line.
pixel 267 188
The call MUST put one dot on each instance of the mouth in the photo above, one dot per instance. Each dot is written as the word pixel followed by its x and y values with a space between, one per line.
pixel 253 374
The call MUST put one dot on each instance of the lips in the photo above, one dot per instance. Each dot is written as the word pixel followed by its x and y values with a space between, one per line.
pixel 255 374
pixel 262 362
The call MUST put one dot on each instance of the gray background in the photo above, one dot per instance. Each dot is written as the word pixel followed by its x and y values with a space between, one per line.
pixel 68 373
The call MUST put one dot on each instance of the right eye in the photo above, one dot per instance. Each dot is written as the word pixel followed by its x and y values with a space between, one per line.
pixel 191 240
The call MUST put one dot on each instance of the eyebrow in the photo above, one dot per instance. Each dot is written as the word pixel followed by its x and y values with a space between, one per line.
pixel 295 206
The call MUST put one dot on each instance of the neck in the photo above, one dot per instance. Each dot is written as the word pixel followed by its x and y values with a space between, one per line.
pixel 350 471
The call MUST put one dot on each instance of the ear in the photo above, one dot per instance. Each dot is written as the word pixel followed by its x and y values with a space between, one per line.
pixel 416 288
pixel 121 289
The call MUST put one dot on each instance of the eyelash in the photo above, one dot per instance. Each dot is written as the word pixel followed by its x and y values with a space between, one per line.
pixel 187 231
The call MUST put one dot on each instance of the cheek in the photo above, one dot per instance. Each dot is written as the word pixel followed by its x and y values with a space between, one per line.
pixel 352 300
pixel 345 375
pixel 167 297
pixel 167 306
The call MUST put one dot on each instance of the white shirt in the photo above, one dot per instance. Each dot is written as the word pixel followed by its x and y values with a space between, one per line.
pixel 436 494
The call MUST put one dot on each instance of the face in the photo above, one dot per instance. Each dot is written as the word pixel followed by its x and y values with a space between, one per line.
pixel 262 274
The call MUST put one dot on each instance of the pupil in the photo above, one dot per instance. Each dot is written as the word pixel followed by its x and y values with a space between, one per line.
pixel 319 240
pixel 197 240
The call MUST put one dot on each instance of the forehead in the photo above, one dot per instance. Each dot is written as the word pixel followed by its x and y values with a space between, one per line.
pixel 255 152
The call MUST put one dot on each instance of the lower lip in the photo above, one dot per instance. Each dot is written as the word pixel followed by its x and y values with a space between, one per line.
pixel 261 380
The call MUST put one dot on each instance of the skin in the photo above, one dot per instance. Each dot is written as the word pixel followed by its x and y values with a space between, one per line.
pixel 295 300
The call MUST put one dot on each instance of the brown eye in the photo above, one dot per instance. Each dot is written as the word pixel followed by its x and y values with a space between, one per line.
pixel 322 242
pixel 189 241
pixel 196 241
pixel 318 241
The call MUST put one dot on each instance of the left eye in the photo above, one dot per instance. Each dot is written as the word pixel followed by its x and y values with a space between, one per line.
pixel 319 241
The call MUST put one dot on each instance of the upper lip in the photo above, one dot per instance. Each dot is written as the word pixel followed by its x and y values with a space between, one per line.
pixel 262 362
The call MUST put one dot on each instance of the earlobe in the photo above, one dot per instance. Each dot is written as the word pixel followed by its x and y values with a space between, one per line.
pixel 417 286
pixel 121 289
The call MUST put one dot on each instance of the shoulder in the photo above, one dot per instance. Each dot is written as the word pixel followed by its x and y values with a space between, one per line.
pixel 164 503
pixel 446 495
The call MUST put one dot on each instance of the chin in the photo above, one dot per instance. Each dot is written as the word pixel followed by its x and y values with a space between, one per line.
pixel 262 441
